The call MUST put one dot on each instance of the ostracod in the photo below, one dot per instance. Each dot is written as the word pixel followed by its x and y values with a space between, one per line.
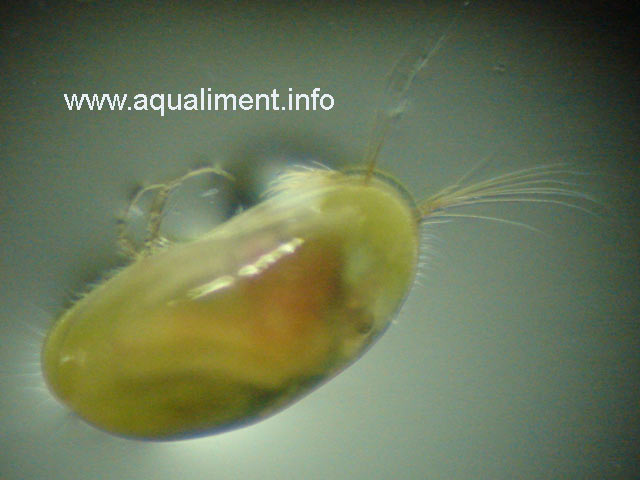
pixel 198 337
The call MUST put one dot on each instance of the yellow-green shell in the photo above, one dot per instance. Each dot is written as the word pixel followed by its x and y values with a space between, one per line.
pixel 208 335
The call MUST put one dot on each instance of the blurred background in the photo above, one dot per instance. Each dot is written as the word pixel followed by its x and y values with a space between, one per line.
pixel 516 354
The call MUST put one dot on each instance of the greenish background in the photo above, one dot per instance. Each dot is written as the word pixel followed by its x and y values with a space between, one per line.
pixel 516 355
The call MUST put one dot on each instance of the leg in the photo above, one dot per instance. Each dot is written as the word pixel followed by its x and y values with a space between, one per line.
pixel 153 237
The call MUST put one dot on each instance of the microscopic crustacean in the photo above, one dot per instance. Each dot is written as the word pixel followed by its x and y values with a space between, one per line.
pixel 198 337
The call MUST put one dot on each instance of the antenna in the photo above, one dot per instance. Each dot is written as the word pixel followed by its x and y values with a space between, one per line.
pixel 400 79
